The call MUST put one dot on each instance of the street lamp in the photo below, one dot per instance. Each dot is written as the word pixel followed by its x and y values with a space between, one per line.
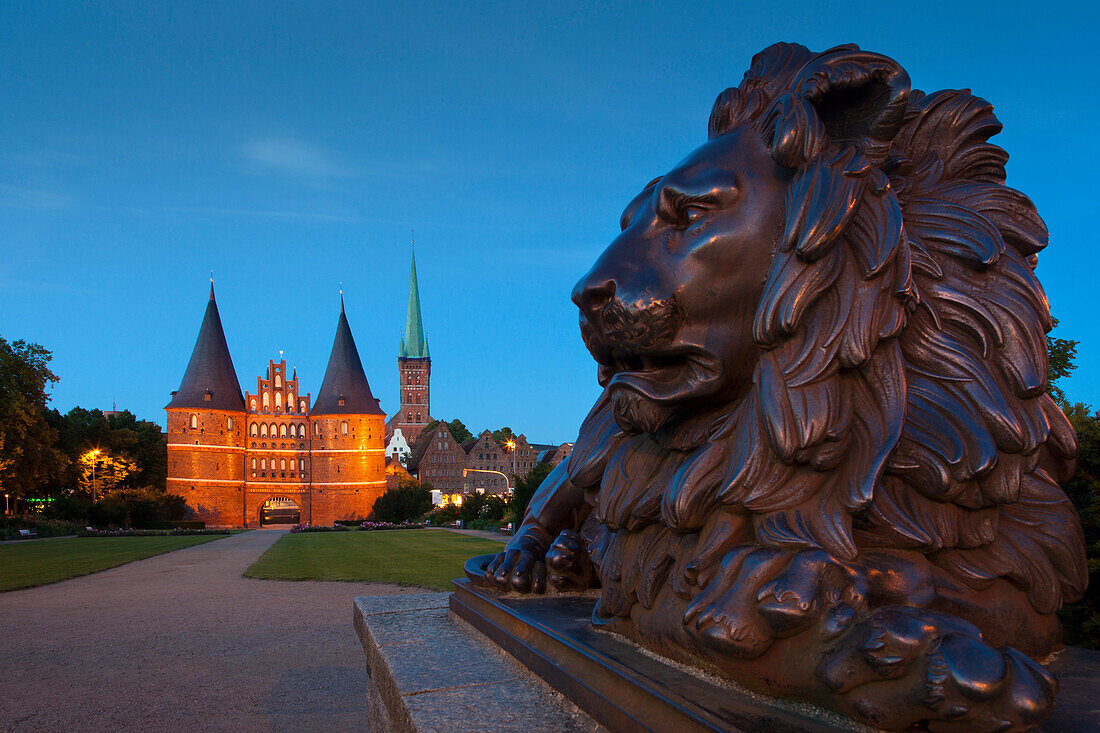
pixel 95 457
pixel 512 447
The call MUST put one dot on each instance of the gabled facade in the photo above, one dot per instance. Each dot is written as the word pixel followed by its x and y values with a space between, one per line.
pixel 438 459
pixel 230 455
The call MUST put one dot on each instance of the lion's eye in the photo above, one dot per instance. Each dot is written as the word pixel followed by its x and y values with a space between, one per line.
pixel 692 214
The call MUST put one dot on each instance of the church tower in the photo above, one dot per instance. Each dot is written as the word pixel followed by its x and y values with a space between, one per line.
pixel 347 432
pixel 206 424
pixel 414 369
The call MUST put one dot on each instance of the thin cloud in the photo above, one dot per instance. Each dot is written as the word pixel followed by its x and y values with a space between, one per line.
pixel 21 197
pixel 293 157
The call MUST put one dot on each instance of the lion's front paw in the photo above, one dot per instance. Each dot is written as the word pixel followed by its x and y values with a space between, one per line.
pixel 902 666
pixel 520 567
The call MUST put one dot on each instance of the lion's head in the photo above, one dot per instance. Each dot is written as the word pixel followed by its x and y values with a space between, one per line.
pixel 824 326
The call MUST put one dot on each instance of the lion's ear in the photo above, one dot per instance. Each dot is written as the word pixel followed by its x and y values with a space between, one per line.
pixel 860 98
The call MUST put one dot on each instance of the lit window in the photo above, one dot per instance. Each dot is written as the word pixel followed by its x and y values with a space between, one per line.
pixel 282 464
pixel 263 430
pixel 254 430
pixel 293 464
pixel 230 423
pixel 253 464
pixel 263 463
pixel 344 427
pixel 282 430
pixel 194 421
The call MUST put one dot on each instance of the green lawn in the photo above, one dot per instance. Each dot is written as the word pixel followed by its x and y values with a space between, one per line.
pixel 25 565
pixel 424 557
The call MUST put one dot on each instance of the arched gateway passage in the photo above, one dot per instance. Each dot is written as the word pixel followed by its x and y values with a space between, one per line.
pixel 279 510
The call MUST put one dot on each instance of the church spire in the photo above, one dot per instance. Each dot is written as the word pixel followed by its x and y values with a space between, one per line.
pixel 344 390
pixel 413 344
pixel 210 382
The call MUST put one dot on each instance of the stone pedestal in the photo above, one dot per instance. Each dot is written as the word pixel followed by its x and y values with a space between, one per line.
pixel 627 688
pixel 430 670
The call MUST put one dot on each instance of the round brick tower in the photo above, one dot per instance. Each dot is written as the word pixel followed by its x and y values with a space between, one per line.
pixel 347 436
pixel 206 429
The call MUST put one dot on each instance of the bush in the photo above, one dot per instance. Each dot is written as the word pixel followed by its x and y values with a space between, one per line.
pixel 10 526
pixel 179 524
pixel 409 502
pixel 142 507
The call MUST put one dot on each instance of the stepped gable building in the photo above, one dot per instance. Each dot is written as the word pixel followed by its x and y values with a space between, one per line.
pixel 414 370
pixel 231 455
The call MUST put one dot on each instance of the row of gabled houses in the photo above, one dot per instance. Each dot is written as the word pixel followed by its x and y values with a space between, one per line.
pixel 478 465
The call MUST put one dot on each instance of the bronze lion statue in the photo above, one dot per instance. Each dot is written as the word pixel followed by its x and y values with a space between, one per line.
pixel 825 463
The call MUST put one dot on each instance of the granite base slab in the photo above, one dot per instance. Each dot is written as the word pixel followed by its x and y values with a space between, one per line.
pixel 430 671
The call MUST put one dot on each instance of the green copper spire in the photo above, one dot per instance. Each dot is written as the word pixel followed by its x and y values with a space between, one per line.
pixel 413 343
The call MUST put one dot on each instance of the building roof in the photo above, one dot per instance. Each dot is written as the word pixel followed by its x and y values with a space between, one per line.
pixel 345 379
pixel 210 382
pixel 413 344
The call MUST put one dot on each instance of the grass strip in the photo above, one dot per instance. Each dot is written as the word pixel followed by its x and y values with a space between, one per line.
pixel 33 563
pixel 429 558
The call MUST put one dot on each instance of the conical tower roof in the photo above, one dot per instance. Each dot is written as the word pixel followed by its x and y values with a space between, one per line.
pixel 210 382
pixel 413 344
pixel 345 381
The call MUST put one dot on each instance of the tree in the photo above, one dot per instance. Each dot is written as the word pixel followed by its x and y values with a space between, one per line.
pixel 409 502
pixel 459 430
pixel 526 487
pixel 1060 356
pixel 28 456
pixel 503 435
pixel 102 472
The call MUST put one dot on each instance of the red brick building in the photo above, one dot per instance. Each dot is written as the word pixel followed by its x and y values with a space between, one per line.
pixel 229 454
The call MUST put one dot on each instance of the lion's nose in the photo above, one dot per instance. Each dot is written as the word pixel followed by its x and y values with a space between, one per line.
pixel 592 296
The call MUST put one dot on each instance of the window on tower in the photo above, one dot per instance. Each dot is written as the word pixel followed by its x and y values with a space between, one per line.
pixel 254 430
pixel 194 421
pixel 230 423
pixel 263 430
pixel 278 380
pixel 344 427
pixel 267 401
pixel 253 404
pixel 278 400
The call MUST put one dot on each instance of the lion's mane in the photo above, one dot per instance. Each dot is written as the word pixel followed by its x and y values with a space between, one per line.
pixel 900 399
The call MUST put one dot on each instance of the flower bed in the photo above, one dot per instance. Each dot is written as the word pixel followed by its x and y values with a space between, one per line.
pixel 363 527
pixel 92 532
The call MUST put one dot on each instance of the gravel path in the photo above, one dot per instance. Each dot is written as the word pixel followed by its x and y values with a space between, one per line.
pixel 182 642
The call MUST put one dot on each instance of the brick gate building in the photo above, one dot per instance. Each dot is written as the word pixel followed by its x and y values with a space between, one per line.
pixel 229 454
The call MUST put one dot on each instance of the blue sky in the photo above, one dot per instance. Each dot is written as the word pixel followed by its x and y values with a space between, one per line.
pixel 292 146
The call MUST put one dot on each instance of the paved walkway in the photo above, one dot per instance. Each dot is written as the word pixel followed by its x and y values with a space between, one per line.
pixel 182 642
pixel 482 533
